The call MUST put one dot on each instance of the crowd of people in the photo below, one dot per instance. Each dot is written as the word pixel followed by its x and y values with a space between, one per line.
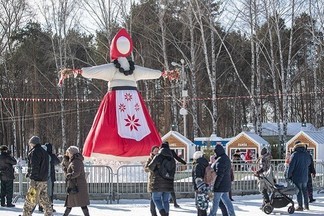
pixel 216 188
pixel 41 162
pixel 211 179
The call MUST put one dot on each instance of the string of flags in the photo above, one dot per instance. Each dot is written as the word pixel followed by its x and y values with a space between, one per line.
pixel 166 98
pixel 48 99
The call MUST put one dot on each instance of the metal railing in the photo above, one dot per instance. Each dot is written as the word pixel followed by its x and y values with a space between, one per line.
pixel 130 181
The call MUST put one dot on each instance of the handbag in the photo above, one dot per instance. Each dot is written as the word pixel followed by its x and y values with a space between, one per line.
pixel 74 188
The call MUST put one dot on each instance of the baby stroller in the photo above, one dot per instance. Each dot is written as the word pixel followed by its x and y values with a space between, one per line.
pixel 280 196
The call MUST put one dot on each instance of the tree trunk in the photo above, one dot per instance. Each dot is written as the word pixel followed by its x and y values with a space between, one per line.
pixel 193 72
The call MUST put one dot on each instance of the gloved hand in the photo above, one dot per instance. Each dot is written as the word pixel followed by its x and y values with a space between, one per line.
pixel 257 174
pixel 68 176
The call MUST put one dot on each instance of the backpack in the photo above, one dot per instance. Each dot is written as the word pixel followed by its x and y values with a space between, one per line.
pixel 167 168
pixel 210 175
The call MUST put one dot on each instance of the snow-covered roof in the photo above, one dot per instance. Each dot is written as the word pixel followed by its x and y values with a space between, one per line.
pixel 271 128
pixel 258 140
pixel 179 136
pixel 182 139
pixel 255 137
pixel 251 136
pixel 316 136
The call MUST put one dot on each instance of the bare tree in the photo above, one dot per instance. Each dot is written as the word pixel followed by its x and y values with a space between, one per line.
pixel 13 14
pixel 61 16
pixel 163 4
pixel 193 69
pixel 316 10
pixel 102 16
pixel 270 13
pixel 199 16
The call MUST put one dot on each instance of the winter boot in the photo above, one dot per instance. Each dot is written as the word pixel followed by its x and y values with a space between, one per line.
pixel 3 202
pixel 40 209
pixel 85 211
pixel 163 212
pixel 10 205
pixel 312 200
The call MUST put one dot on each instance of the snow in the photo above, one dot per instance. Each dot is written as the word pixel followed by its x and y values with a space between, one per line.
pixel 244 206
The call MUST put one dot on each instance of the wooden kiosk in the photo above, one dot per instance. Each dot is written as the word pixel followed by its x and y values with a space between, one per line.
pixel 246 142
pixel 314 141
pixel 181 144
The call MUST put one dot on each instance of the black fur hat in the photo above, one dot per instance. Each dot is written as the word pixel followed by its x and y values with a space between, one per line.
pixel 264 151
pixel 165 145
pixel 3 148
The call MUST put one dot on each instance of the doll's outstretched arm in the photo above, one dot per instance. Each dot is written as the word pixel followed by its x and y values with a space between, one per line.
pixel 103 72
pixel 66 73
pixel 143 73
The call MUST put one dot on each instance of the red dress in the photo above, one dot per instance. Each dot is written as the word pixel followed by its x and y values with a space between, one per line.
pixel 105 139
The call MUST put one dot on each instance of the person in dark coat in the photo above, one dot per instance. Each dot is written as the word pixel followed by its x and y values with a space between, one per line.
pixel 237 160
pixel 222 184
pixel 53 162
pixel 212 163
pixel 38 163
pixel 311 175
pixel 77 187
pixel 6 176
pixel 173 196
pixel 198 173
pixel 298 172
pixel 154 151
pixel 265 170
pixel 161 186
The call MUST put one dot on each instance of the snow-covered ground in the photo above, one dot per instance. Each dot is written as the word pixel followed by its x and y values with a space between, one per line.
pixel 244 206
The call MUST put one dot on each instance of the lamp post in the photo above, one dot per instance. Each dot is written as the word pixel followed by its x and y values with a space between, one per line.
pixel 183 111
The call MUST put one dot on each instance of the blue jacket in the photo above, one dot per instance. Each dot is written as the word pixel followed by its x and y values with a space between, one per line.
pixel 299 165
pixel 223 170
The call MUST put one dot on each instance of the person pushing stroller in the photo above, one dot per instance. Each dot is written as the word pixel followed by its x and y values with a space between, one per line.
pixel 266 171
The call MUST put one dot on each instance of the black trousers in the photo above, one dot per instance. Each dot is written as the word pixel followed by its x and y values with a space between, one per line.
pixel 310 187
pixel 6 191
pixel 265 195
pixel 173 197
pixel 201 212
pixel 223 208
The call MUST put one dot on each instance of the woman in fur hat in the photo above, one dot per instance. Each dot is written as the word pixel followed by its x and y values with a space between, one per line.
pixel 77 187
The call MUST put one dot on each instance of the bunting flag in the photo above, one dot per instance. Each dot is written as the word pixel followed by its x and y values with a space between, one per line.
pixel 48 99
pixel 161 100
